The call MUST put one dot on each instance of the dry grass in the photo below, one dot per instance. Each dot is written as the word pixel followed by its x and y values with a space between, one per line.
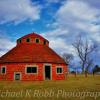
pixel 59 89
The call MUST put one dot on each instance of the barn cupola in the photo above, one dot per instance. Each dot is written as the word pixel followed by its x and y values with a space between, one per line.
pixel 32 38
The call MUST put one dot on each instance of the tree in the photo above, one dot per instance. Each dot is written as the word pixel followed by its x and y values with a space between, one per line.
pixel 84 50
pixel 96 69
pixel 67 58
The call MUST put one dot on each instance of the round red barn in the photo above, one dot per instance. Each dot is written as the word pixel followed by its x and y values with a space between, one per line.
pixel 32 59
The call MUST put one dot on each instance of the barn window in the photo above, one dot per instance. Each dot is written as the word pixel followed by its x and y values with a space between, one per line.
pixel 19 41
pixel 44 42
pixel 3 70
pixel 37 40
pixel 59 70
pixel 27 40
pixel 31 70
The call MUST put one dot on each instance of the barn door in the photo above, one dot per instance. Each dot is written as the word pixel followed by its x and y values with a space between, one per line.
pixel 17 76
pixel 47 72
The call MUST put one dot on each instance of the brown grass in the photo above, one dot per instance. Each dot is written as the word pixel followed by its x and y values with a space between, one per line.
pixel 59 89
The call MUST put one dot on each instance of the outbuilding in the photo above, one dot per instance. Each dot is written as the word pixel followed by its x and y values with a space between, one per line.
pixel 32 59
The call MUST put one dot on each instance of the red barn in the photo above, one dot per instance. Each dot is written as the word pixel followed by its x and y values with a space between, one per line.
pixel 32 59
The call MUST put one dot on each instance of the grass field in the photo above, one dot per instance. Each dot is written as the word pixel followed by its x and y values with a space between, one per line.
pixel 79 88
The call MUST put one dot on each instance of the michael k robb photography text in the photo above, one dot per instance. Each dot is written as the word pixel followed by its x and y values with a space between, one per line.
pixel 49 93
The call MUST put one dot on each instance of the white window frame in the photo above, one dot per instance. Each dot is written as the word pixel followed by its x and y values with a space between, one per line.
pixel 59 67
pixel 18 73
pixel 31 66
pixel 2 68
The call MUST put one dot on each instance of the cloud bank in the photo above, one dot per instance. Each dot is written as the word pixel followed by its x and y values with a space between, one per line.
pixel 72 18
pixel 18 11
pixel 5 44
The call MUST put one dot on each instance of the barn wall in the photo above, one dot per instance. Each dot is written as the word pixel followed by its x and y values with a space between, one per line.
pixel 11 68
pixel 58 76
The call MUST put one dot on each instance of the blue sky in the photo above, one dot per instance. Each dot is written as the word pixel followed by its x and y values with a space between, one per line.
pixel 60 21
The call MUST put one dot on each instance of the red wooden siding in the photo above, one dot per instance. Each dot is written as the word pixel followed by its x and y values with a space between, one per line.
pixel 11 68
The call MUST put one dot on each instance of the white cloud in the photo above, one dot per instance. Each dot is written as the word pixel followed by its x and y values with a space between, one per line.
pixel 5 45
pixel 96 36
pixel 57 32
pixel 77 9
pixel 57 43
pixel 79 17
pixel 18 11
pixel 72 18
pixel 73 12
pixel 61 46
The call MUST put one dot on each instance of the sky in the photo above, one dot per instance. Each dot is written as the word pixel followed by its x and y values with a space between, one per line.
pixel 59 21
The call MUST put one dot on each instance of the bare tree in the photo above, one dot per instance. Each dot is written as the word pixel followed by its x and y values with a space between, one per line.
pixel 84 50
pixel 67 58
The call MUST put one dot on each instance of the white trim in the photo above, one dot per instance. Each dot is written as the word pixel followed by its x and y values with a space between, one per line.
pixel 31 66
pixel 50 71
pixel 18 73
pixel 1 69
pixel 59 67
